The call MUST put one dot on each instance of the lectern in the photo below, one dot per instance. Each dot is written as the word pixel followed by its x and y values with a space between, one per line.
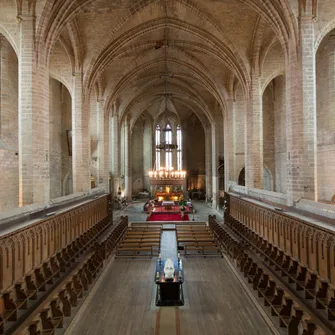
pixel 169 290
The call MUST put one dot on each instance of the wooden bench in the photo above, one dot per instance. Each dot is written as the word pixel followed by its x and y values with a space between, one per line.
pixel 252 272
pixel 8 308
pixel 56 312
pixel 2 325
pixel 142 240
pixel 300 280
pixel 321 296
pixel 310 286
pixel 205 249
pixel 142 244
pixel 140 233
pixel 136 252
pixel 49 324
pixel 64 298
pixel 132 236
pixel 36 328
pixel 331 309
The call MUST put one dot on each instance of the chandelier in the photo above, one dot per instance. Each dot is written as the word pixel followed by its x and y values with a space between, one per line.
pixel 165 145
pixel 164 174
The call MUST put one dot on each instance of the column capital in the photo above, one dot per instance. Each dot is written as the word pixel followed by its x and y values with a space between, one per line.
pixel 25 18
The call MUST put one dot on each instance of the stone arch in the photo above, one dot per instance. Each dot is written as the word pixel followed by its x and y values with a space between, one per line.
pixel 9 122
pixel 323 33
pixel 325 119
pixel 207 81
pixel 11 41
pixel 274 75
pixel 98 64
pixel 192 99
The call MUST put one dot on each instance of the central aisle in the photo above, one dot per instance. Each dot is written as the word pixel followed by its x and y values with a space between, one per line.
pixel 123 301
pixel 169 244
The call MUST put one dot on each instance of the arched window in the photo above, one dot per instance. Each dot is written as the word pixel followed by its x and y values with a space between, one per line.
pixel 168 140
pixel 158 151
pixel 179 149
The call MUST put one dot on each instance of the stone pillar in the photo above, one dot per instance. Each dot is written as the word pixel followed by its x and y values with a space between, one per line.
pixel 301 114
pixel 34 169
pixel 127 159
pixel 103 146
pixel 114 152
pixel 228 124
pixel 80 137
pixel 254 136
pixel 215 179
pixel 147 154
pixel 163 152
pixel 174 152
pixel 208 157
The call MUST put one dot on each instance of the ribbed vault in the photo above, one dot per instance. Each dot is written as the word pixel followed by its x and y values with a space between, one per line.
pixel 212 48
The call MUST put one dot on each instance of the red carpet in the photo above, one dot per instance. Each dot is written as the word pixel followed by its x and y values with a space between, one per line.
pixel 174 209
pixel 167 217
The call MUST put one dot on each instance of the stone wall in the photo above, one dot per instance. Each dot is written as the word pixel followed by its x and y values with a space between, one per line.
pixel 325 86
pixel 268 136
pixel 60 122
pixel 9 159
pixel 194 151
pixel 239 140
pixel 280 134
pixel 137 157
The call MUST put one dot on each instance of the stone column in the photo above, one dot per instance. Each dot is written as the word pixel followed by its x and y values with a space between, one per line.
pixel 208 156
pixel 103 145
pixel 162 160
pixel 254 136
pixel 114 152
pixel 147 154
pixel 174 152
pixel 301 114
pixel 127 159
pixel 215 179
pixel 80 137
pixel 228 124
pixel 34 169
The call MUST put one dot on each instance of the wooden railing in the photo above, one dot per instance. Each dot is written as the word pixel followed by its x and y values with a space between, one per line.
pixel 25 249
pixel 310 244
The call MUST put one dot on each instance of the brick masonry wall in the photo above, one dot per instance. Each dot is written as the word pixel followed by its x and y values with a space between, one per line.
pixel 60 122
pixel 280 134
pixel 239 140
pixel 9 159
pixel 268 136
pixel 325 98
pixel 93 126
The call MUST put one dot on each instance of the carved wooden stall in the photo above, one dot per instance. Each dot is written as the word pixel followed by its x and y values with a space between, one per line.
pixel 312 246
pixel 26 249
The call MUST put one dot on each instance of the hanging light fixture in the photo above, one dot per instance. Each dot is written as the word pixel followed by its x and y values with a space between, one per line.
pixel 167 128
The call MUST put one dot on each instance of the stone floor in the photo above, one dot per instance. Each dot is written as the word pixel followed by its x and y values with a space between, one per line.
pixel 123 300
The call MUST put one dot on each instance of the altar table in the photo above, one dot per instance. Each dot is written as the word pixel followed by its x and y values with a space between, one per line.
pixel 168 203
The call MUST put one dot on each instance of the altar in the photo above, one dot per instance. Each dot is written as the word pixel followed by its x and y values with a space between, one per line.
pixel 169 287
pixel 167 203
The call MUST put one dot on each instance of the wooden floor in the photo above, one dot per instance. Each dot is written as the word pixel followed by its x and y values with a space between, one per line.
pixel 123 301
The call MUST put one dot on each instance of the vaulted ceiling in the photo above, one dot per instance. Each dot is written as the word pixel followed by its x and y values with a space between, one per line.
pixel 212 45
